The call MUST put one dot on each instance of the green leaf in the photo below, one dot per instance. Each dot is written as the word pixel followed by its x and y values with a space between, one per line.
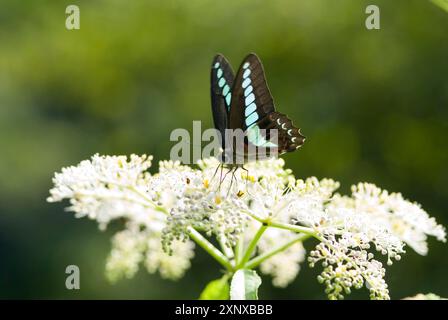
pixel 245 285
pixel 216 290
pixel 442 4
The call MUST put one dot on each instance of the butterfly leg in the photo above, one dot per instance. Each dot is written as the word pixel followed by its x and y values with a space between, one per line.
pixel 220 176
pixel 222 179
pixel 233 170
pixel 247 175
pixel 216 171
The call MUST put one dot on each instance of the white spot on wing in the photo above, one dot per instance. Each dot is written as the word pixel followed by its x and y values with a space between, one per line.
pixel 249 99
pixel 248 91
pixel 246 83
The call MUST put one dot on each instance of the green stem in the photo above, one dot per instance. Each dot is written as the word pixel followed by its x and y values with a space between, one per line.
pixel 252 246
pixel 295 228
pixel 239 249
pixel 287 226
pixel 210 248
pixel 261 258
pixel 226 249
pixel 253 216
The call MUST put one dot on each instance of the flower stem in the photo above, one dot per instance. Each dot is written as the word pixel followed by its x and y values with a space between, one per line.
pixel 261 258
pixel 239 249
pixel 252 246
pixel 210 248
pixel 295 228
pixel 225 248
pixel 287 226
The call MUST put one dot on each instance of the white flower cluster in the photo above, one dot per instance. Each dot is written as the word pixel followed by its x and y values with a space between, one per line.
pixel 371 216
pixel 261 208
pixel 111 187
pixel 285 265
pixel 106 188
pixel 131 247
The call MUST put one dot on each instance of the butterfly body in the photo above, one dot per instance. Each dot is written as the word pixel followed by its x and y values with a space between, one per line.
pixel 243 104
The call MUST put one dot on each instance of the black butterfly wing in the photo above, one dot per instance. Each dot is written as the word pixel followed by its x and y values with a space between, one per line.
pixel 221 80
pixel 253 109
pixel 250 86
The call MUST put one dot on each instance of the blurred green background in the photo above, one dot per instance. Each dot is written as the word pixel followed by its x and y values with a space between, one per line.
pixel 373 105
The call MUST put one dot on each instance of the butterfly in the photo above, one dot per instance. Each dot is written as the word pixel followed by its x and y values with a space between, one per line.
pixel 245 103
